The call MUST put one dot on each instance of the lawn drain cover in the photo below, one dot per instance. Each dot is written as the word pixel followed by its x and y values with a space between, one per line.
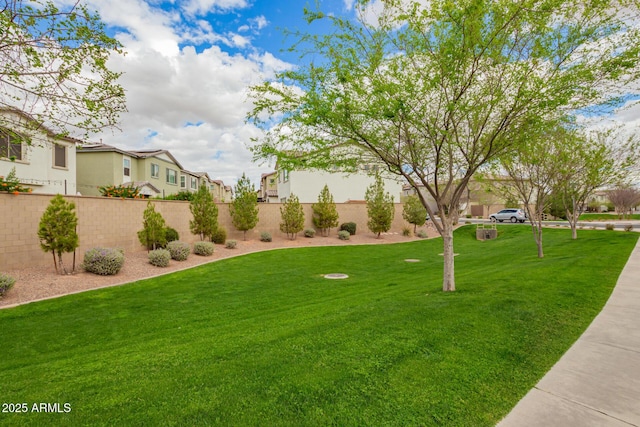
pixel 412 260
pixel 335 276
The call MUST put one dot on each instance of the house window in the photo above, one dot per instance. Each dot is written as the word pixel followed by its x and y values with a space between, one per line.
pixel 126 163
pixel 59 156
pixel 183 181
pixel 155 170
pixel 172 176
pixel 10 145
pixel 194 184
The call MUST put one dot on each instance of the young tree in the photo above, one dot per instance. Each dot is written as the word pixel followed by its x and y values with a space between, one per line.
pixel 325 214
pixel 244 207
pixel 205 214
pixel 54 66
pixel 57 231
pixel 292 217
pixel 153 233
pixel 413 212
pixel 434 93
pixel 380 207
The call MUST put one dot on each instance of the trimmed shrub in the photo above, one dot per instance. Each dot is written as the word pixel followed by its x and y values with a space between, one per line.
pixel 203 248
pixel 265 237
pixel 309 232
pixel 6 283
pixel 231 244
pixel 348 226
pixel 159 257
pixel 219 236
pixel 171 234
pixel 103 261
pixel 406 231
pixel 628 227
pixel 179 250
pixel 344 235
pixel 422 234
pixel 609 226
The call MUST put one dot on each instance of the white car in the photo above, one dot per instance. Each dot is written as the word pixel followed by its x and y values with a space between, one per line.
pixel 512 214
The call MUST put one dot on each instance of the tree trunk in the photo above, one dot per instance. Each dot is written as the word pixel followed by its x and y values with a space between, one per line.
pixel 448 279
pixel 537 235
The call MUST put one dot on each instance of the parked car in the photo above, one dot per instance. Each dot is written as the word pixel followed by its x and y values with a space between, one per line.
pixel 513 215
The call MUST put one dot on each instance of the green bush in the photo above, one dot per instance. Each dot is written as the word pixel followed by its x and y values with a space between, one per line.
pixel 344 235
pixel 265 237
pixel 6 283
pixel 406 231
pixel 309 232
pixel 203 248
pixel 628 227
pixel 159 257
pixel 609 226
pixel 348 226
pixel 103 261
pixel 179 250
pixel 171 235
pixel 219 236
pixel 231 244
pixel 422 234
pixel 182 195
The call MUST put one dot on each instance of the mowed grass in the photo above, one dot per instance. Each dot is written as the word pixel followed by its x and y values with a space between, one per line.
pixel 264 340
pixel 605 217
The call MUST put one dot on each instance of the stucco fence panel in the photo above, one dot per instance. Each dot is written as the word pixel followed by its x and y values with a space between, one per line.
pixel 114 222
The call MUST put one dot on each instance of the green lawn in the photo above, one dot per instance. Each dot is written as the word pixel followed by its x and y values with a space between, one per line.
pixel 264 340
pixel 605 217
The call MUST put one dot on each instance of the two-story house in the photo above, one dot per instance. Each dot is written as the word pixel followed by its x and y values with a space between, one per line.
pixel 268 192
pixel 43 161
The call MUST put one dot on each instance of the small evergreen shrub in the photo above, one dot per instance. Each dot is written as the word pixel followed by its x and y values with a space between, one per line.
pixel 6 283
pixel 159 257
pixel 171 234
pixel 219 236
pixel 203 248
pixel 231 244
pixel 265 237
pixel 179 250
pixel 628 227
pixel 406 231
pixel 309 232
pixel 422 234
pixel 609 226
pixel 344 235
pixel 348 226
pixel 103 261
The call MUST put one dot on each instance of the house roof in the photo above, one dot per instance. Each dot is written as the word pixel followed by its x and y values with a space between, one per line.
pixel 140 154
pixel 141 184
pixel 39 125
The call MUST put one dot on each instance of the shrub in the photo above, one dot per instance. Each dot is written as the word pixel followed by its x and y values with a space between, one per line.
pixel 265 237
pixel 344 235
pixel 292 217
pixel 103 261
pixel 309 232
pixel 171 234
pixel 348 226
pixel 6 282
pixel 57 231
pixel 628 227
pixel 205 213
pixel 325 214
pixel 179 250
pixel 609 226
pixel 153 234
pixel 125 191
pixel 422 234
pixel 159 257
pixel 203 248
pixel 406 231
pixel 231 244
pixel 219 236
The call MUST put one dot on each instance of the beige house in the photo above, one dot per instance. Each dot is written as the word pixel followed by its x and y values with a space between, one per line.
pixel 43 161
pixel 156 172
pixel 268 192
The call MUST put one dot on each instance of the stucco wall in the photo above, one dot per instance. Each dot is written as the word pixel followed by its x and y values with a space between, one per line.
pixel 115 222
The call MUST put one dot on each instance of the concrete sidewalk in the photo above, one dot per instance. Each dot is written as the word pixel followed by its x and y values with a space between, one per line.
pixel 597 382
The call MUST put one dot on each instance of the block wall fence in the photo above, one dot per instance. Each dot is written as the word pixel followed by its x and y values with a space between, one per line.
pixel 108 222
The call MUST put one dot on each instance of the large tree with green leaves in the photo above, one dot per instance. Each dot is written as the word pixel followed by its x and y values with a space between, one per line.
pixel 53 66
pixel 325 213
pixel 205 213
pixel 435 92
pixel 57 231
pixel 244 207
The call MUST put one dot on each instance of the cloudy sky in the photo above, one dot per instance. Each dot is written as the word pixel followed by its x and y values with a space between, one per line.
pixel 187 69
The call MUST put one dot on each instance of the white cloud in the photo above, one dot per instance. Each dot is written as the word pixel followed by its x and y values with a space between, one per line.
pixel 200 7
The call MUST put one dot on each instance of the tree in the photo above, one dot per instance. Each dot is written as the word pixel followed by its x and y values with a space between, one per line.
pixel 325 214
pixel 153 233
pixel 205 214
pixel 292 217
pixel 434 93
pixel 244 207
pixel 624 198
pixel 380 207
pixel 57 231
pixel 413 212
pixel 54 66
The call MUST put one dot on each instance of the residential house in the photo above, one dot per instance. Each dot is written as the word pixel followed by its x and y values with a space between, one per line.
pixel 268 192
pixel 43 161
pixel 156 172
pixel 307 185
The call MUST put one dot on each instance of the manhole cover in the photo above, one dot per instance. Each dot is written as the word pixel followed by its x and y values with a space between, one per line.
pixel 335 276
pixel 453 254
pixel 412 260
